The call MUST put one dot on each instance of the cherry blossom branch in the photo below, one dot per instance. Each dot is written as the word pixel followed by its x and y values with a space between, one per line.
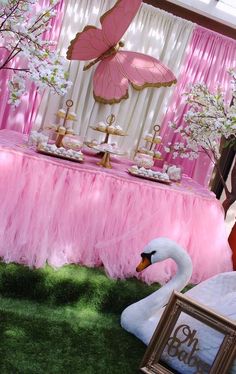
pixel 12 55
pixel 18 69
pixel 41 17
pixel 10 14
pixel 22 36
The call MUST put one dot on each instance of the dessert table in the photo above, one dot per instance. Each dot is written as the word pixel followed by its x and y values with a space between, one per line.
pixel 58 212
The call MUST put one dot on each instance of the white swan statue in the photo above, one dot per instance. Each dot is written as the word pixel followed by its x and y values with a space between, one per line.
pixel 217 293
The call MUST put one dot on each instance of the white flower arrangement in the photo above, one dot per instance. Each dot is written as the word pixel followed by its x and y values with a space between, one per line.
pixel 208 119
pixel 21 35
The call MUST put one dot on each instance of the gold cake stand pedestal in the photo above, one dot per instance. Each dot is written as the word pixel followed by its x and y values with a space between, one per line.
pixel 105 161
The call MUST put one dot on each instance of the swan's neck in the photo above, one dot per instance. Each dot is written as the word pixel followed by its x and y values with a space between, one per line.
pixel 158 299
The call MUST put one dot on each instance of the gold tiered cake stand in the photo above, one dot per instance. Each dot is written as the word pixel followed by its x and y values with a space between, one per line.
pixel 59 149
pixel 62 131
pixel 152 141
pixel 106 152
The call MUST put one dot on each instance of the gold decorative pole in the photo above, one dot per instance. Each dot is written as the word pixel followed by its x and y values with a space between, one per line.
pixel 62 129
pixel 105 161
pixel 156 129
pixel 110 120
pixel 69 104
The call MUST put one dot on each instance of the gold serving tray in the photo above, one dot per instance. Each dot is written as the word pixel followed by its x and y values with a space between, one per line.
pixel 154 141
pixel 106 132
pixel 109 151
pixel 147 177
pixel 60 156
pixel 90 145
pixel 142 152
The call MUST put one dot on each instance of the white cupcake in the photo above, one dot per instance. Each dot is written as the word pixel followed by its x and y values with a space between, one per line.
pixel 61 130
pixel 148 137
pixel 157 155
pixel 157 139
pixel 111 129
pixel 61 113
pixel 101 126
pixel 134 168
pixel 119 130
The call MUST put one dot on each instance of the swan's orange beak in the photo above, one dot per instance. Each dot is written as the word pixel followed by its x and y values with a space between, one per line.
pixel 143 264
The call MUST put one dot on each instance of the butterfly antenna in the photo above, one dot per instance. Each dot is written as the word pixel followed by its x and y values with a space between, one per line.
pixel 88 66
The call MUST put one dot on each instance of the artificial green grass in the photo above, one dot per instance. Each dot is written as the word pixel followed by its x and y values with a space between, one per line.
pixel 66 321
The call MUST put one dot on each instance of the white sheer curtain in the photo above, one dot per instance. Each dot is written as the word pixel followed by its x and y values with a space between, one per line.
pixel 153 32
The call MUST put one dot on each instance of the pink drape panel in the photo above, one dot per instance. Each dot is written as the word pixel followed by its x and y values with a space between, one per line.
pixel 22 118
pixel 208 58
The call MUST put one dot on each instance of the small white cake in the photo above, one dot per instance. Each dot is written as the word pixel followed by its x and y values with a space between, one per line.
pixel 148 137
pixel 101 126
pixel 61 113
pixel 111 129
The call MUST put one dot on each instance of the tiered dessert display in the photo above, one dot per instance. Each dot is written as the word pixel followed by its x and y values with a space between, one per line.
pixel 67 144
pixel 152 139
pixel 144 159
pixel 106 148
pixel 62 130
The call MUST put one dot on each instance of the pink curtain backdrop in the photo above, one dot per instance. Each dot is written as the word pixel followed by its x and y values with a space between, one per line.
pixel 208 58
pixel 22 118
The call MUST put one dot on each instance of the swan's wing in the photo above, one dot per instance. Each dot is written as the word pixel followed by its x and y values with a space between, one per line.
pixel 209 291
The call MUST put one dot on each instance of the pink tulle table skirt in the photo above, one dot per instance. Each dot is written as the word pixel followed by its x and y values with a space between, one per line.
pixel 61 212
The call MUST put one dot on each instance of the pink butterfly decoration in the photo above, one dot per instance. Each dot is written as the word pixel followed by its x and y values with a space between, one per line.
pixel 117 68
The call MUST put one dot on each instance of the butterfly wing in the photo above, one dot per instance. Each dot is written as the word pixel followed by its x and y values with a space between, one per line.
pixel 113 75
pixel 92 42
pixel 87 45
pixel 145 71
pixel 117 20
pixel 109 83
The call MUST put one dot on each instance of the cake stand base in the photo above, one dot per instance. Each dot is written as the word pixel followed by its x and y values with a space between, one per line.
pixel 105 161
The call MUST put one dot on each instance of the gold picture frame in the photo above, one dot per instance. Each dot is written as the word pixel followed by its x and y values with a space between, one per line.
pixel 162 340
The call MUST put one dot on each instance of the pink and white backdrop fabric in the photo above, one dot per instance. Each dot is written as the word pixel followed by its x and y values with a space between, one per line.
pixel 208 58
pixel 22 118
